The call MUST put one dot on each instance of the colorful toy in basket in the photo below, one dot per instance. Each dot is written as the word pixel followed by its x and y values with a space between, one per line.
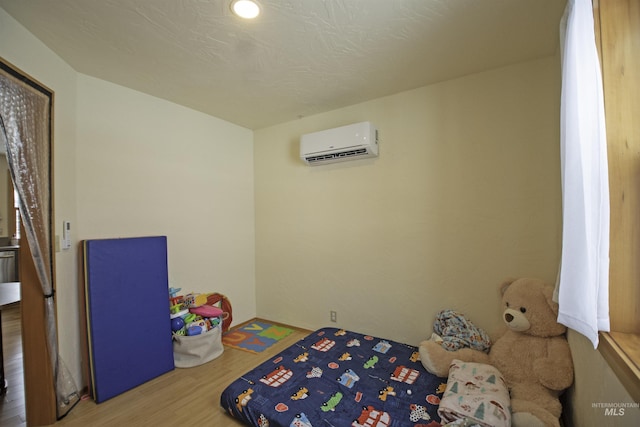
pixel 173 292
pixel 206 311
pixel 225 305
pixel 195 300
pixel 177 324
pixel 197 327
pixel 195 314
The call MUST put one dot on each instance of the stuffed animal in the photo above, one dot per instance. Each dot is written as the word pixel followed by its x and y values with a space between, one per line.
pixel 533 354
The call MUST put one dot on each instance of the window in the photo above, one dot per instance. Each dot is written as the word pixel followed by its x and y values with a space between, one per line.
pixel 616 30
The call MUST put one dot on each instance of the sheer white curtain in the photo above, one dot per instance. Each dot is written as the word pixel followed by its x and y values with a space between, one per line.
pixel 24 130
pixel 583 285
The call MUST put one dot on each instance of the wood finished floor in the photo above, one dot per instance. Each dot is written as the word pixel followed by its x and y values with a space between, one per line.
pixel 12 403
pixel 182 397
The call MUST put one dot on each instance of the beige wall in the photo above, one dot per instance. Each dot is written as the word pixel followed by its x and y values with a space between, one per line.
pixel 464 194
pixel 150 167
pixel 129 164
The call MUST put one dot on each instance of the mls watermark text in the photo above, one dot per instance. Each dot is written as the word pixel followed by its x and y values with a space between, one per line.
pixel 615 409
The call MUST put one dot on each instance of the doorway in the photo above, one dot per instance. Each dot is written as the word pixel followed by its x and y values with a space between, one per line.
pixel 35 124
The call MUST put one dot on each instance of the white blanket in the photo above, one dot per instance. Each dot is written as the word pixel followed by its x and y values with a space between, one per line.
pixel 476 391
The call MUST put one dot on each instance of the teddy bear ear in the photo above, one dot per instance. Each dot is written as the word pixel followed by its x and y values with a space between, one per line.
pixel 504 285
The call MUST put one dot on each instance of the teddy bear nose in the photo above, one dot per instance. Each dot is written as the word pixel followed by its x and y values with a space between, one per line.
pixel 508 317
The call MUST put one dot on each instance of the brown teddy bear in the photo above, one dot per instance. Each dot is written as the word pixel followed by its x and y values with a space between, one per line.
pixel 533 354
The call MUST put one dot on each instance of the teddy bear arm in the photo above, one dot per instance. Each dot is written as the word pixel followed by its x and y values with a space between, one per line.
pixel 495 337
pixel 436 359
pixel 556 370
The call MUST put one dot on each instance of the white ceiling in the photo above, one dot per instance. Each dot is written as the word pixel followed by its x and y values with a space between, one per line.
pixel 300 57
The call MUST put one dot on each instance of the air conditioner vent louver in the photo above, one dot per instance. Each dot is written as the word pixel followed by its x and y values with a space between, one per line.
pixel 335 156
pixel 351 142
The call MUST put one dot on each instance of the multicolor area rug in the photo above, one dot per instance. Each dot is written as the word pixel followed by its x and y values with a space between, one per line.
pixel 255 337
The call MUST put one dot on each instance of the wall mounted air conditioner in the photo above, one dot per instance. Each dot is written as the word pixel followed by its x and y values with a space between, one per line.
pixel 351 142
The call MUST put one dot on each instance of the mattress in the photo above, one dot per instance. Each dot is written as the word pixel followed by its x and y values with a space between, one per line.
pixel 335 377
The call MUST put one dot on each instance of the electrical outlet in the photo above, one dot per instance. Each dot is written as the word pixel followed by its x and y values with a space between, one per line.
pixel 333 315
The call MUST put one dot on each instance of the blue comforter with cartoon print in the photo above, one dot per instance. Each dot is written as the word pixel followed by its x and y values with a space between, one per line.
pixel 338 378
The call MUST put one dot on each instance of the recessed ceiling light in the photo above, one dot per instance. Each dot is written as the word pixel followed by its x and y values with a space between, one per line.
pixel 247 9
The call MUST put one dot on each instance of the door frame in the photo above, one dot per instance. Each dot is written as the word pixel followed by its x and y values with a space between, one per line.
pixel 39 381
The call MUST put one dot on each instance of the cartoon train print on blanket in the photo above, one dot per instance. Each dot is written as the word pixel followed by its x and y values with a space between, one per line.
pixel 375 381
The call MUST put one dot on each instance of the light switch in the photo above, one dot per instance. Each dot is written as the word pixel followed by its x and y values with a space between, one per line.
pixel 66 234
